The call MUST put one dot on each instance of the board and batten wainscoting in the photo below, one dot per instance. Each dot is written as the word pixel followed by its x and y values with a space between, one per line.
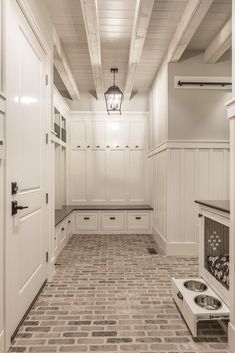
pixel 184 171
pixel 107 158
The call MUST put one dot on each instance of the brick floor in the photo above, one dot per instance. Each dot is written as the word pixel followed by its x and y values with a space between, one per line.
pixel 110 295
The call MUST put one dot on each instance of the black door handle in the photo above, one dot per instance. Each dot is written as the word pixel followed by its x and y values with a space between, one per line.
pixel 15 207
pixel 179 295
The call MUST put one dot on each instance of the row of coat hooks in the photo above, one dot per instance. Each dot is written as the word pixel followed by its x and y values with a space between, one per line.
pixel 117 146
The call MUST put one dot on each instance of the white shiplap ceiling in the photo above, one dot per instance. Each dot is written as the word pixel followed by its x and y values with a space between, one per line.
pixel 116 19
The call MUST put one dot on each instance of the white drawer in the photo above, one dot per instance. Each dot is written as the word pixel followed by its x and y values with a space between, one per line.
pixel 112 220
pixel 137 220
pixel 86 221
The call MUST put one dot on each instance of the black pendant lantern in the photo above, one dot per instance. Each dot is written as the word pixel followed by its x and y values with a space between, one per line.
pixel 113 96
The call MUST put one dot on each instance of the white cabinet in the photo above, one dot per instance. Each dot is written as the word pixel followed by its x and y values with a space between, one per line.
pixel 86 221
pixel 112 221
pixel 138 221
pixel 108 159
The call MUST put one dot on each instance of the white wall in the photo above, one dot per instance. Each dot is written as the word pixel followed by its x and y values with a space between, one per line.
pixel 198 113
pixel 88 103
pixel 108 172
pixel 188 150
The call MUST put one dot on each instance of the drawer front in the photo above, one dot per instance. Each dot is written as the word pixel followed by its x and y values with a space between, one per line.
pixel 86 221
pixel 137 220
pixel 112 221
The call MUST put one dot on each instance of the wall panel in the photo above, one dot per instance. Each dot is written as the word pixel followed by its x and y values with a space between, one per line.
pixel 181 176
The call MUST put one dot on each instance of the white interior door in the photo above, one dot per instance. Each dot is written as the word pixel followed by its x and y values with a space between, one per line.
pixel 25 135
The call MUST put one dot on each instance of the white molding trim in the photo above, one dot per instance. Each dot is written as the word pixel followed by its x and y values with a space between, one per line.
pixel 231 337
pixel 174 248
pixel 182 144
pixel 25 8
pixel 2 343
pixel 230 108
pixel 60 103
pixel 102 112
pixel 160 240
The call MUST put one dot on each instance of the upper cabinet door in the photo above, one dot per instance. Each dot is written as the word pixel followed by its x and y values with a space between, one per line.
pixel 119 133
pixel 137 134
pixel 79 133
pixel 98 134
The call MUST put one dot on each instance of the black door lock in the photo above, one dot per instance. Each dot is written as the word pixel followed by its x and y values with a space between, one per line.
pixel 14 188
pixel 15 207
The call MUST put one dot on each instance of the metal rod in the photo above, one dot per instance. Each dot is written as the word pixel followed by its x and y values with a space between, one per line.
pixel 180 83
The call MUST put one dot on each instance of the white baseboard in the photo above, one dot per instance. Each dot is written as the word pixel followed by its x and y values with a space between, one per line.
pixel 2 345
pixel 160 240
pixel 231 337
pixel 181 249
pixel 174 248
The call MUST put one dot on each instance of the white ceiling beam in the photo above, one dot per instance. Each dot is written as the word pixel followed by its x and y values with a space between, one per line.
pixel 190 21
pixel 143 13
pixel 63 68
pixel 220 44
pixel 91 21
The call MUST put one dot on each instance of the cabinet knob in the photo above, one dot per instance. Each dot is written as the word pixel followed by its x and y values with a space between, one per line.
pixel 86 218
pixel 112 218
pixel 88 146
pixel 137 217
pixel 69 222
pixel 78 146
pixel 62 229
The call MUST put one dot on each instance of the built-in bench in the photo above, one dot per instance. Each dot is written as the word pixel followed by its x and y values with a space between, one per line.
pixel 100 219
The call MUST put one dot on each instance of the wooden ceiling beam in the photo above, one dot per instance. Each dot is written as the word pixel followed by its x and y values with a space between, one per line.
pixel 63 68
pixel 220 44
pixel 190 21
pixel 91 22
pixel 143 13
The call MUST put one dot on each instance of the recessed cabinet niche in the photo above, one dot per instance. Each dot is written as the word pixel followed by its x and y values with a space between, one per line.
pixel 108 162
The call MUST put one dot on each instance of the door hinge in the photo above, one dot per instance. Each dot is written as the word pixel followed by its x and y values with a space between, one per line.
pixel 47 197
pixel 47 79
pixel 47 256
pixel 47 138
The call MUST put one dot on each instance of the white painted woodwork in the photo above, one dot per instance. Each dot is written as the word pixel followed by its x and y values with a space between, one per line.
pixel 220 44
pixel 231 116
pixel 142 16
pixel 138 220
pixel 222 218
pixel 2 228
pixel 63 68
pixel 183 173
pixel 26 123
pixel 110 164
pixel 217 15
pixel 189 23
pixel 91 22
pixel 86 221
pixel 63 231
pixel 112 222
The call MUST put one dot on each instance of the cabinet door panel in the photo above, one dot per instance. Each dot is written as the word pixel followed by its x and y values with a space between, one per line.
pixel 78 176
pixel 137 133
pixel 97 175
pixel 119 133
pixel 79 133
pixel 117 176
pixel 99 133
pixel 136 178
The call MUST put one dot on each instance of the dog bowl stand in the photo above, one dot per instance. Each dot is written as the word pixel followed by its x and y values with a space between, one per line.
pixel 192 312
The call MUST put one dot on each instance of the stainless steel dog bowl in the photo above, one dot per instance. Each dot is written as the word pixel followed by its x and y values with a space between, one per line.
pixel 195 286
pixel 208 302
